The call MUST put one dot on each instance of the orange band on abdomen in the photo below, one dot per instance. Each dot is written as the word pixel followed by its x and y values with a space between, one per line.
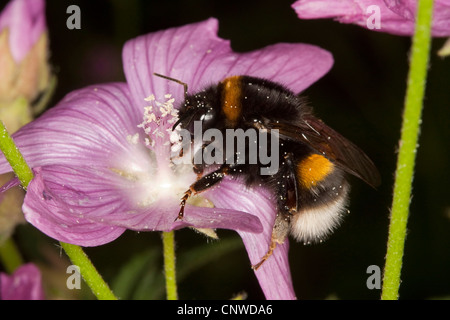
pixel 313 169
pixel 231 98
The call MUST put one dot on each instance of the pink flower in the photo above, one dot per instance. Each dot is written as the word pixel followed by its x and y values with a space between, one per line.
pixel 396 17
pixel 102 155
pixel 24 284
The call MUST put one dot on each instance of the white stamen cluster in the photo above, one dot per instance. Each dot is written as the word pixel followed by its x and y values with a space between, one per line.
pixel 158 120
pixel 157 176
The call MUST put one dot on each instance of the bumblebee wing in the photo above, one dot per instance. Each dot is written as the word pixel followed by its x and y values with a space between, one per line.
pixel 346 155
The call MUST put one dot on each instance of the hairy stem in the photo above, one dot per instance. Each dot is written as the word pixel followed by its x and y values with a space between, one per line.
pixel 407 151
pixel 14 157
pixel 168 239
pixel 89 273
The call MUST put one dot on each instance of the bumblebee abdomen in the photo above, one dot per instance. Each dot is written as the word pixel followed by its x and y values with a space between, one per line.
pixel 314 222
pixel 322 198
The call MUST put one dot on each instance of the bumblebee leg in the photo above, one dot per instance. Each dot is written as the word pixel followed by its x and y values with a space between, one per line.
pixel 280 232
pixel 185 197
pixel 287 198
pixel 198 168
pixel 272 246
pixel 203 184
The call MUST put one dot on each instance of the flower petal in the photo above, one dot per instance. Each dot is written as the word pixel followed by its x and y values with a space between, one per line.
pixel 395 17
pixel 161 216
pixel 274 274
pixel 56 214
pixel 195 55
pixel 89 127
pixel 90 206
pixel 24 284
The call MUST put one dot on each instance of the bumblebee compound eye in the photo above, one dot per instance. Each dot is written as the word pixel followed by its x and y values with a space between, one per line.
pixel 208 117
pixel 187 114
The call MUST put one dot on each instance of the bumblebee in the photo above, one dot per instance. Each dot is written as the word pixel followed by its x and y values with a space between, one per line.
pixel 310 185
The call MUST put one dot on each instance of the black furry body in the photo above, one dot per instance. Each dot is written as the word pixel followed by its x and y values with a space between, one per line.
pixel 313 158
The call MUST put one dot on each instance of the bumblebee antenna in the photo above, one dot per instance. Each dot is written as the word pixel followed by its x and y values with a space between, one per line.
pixel 174 80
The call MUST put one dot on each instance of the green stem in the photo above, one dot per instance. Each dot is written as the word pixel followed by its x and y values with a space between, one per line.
pixel 10 255
pixel 75 253
pixel 407 151
pixel 168 239
pixel 14 157
pixel 88 272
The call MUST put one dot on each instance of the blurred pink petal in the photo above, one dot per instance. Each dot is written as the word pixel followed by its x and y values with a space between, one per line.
pixel 24 284
pixel 396 17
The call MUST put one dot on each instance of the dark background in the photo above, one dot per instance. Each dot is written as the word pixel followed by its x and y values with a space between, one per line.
pixel 361 97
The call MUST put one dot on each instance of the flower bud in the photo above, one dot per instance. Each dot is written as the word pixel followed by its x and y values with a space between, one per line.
pixel 24 75
pixel 24 69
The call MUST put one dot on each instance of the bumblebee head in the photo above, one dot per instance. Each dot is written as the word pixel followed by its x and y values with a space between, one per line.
pixel 196 108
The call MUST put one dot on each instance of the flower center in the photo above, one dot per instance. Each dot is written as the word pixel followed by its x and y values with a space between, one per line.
pixel 153 174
